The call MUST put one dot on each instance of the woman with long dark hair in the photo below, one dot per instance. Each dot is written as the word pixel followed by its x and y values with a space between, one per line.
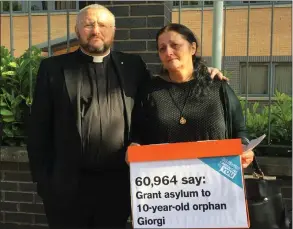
pixel 184 104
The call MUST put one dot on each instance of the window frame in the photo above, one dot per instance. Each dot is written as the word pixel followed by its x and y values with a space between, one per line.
pixel 233 3
pixel 270 77
pixel 240 78
pixel 275 64
pixel 50 6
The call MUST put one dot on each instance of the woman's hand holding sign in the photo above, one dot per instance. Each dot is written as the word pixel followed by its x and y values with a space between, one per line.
pixel 247 158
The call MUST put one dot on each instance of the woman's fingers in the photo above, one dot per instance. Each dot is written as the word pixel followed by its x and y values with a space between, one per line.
pixel 247 159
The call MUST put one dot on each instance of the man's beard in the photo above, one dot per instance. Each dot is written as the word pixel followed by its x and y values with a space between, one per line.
pixel 93 50
pixel 90 49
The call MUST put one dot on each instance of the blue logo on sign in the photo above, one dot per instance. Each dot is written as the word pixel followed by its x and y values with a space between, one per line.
pixel 230 167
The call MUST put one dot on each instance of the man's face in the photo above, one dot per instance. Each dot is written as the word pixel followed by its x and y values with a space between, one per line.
pixel 95 31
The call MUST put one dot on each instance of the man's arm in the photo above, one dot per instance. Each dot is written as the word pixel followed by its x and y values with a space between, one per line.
pixel 137 113
pixel 40 144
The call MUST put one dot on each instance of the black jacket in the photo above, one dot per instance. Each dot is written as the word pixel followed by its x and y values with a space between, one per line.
pixel 54 142
pixel 235 122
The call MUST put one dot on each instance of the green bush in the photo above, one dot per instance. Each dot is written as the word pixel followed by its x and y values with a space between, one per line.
pixel 15 93
pixel 16 90
pixel 257 119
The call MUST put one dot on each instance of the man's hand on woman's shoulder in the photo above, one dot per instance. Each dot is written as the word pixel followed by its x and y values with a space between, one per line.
pixel 217 73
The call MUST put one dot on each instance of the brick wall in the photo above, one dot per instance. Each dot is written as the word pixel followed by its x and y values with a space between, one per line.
pixel 236 30
pixel 20 206
pixel 136 29
pixel 39 29
pixel 136 24
pixel 147 16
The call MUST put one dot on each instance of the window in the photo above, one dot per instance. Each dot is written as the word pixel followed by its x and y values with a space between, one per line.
pixel 227 3
pixel 44 5
pixel 175 3
pixel 16 6
pixel 186 3
pixel 208 3
pixel 258 78
pixel 83 4
pixel 256 2
pixel 22 6
pixel 64 5
pixel 194 3
pixel 39 5
pixel 283 78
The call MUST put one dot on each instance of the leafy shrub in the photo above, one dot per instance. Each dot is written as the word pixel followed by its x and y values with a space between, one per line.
pixel 15 92
pixel 257 119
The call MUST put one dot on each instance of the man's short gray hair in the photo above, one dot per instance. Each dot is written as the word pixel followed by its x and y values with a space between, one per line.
pixel 94 6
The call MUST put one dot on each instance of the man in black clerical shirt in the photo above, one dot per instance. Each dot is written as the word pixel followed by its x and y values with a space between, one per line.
pixel 79 127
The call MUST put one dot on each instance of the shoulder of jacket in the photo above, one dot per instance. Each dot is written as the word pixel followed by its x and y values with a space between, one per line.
pixel 126 55
pixel 225 87
pixel 63 58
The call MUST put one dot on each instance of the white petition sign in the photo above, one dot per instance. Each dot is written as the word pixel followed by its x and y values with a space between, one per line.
pixel 192 193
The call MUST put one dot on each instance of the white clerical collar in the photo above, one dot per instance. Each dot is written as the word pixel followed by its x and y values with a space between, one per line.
pixel 97 59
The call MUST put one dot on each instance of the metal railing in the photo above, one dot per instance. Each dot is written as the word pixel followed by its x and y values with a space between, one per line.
pixel 180 7
pixel 199 4
pixel 244 4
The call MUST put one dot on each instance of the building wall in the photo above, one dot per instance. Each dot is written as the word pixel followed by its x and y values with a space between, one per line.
pixel 20 204
pixel 231 65
pixel 236 30
pixel 39 29
pixel 235 39
pixel 136 32
pixel 63 51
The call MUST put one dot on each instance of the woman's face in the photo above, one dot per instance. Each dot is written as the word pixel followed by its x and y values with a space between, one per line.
pixel 175 52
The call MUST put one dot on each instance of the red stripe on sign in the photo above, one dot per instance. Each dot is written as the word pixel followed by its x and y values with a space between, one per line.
pixel 184 150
